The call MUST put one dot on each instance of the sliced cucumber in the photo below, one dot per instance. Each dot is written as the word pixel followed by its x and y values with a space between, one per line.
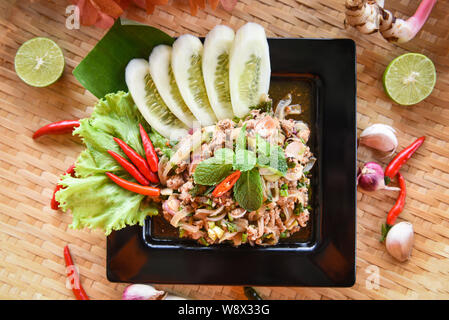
pixel 161 72
pixel 186 64
pixel 150 103
pixel 217 47
pixel 249 68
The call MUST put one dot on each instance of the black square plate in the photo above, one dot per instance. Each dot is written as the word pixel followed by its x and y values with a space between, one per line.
pixel 321 255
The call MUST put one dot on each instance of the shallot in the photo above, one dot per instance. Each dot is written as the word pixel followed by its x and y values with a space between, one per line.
pixel 142 292
pixel 146 292
pixel 399 241
pixel 371 177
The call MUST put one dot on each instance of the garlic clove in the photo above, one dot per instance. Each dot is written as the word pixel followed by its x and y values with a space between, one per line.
pixel 399 241
pixel 142 292
pixel 380 137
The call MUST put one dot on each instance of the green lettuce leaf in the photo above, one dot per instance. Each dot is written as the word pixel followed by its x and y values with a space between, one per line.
pixel 95 201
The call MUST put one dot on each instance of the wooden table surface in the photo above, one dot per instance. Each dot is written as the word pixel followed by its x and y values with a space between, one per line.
pixel 32 236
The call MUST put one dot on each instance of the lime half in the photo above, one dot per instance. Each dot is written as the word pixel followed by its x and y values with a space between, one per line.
pixel 39 62
pixel 409 78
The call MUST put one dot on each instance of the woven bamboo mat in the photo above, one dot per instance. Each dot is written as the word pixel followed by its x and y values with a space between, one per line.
pixel 32 235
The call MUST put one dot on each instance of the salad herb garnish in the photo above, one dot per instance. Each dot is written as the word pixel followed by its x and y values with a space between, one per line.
pixel 248 188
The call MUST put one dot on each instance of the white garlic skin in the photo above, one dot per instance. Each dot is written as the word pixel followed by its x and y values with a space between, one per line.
pixel 399 241
pixel 380 137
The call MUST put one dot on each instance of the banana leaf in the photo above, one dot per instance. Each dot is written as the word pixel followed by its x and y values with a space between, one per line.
pixel 102 71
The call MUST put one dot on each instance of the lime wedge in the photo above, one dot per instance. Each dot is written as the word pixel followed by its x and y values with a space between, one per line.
pixel 39 62
pixel 409 78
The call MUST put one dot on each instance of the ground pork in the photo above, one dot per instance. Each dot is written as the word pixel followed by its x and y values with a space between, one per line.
pixel 225 124
pixel 184 190
pixel 276 216
pixel 174 182
pixel 288 126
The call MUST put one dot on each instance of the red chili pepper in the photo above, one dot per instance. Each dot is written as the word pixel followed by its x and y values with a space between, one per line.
pixel 60 127
pixel 138 161
pixel 55 204
pixel 400 202
pixel 134 187
pixel 150 153
pixel 154 177
pixel 72 274
pixel 130 168
pixel 71 170
pixel 226 184
pixel 393 167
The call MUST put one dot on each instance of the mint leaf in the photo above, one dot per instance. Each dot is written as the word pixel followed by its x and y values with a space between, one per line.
pixel 248 190
pixel 278 161
pixel 211 171
pixel 271 156
pixel 225 155
pixel 241 139
pixel 244 160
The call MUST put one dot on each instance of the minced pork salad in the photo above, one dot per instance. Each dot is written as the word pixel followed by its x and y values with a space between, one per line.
pixel 241 181
pixel 196 133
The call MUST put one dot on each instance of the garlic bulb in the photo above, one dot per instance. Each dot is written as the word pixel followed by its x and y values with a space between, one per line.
pixel 399 241
pixel 380 137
